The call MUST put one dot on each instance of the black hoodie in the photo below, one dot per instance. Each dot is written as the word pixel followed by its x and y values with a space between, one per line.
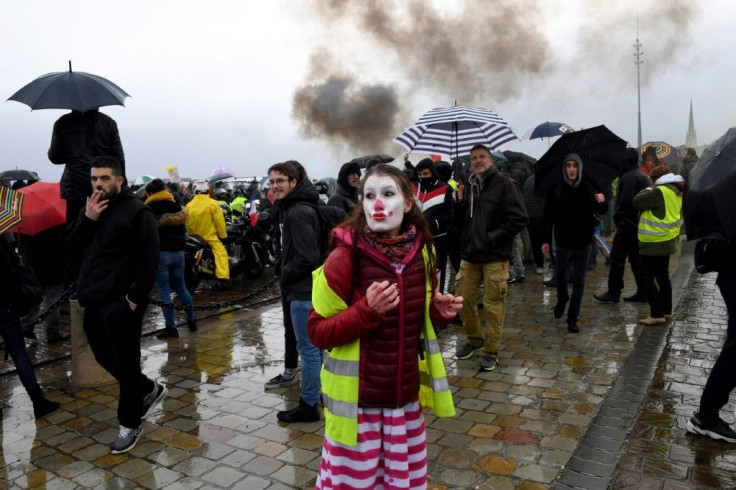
pixel 119 252
pixel 629 185
pixel 434 198
pixel 300 241
pixel 345 197
pixel 571 209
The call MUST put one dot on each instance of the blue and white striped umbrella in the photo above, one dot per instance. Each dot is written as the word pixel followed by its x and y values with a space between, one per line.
pixel 453 131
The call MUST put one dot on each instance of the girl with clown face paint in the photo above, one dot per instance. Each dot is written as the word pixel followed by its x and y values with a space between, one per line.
pixel 375 302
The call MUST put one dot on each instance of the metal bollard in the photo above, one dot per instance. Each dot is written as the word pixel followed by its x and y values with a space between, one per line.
pixel 85 370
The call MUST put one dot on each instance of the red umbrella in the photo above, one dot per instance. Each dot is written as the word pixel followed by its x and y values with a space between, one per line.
pixel 43 208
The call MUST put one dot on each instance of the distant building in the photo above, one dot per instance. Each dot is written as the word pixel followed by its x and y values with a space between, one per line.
pixel 691 139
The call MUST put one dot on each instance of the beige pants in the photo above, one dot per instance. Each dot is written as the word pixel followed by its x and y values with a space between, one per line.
pixel 495 277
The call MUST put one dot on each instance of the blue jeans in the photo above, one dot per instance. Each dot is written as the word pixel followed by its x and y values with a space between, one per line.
pixel 310 355
pixel 171 273
pixel 577 258
pixel 12 333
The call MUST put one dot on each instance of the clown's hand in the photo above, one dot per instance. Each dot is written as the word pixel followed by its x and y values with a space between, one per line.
pixel 447 305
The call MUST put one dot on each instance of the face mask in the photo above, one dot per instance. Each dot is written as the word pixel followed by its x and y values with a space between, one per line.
pixel 383 204
pixel 425 182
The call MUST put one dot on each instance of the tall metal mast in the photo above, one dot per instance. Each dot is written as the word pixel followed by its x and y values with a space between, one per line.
pixel 638 61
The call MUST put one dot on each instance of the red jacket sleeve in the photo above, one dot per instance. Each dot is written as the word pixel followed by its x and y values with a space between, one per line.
pixel 351 323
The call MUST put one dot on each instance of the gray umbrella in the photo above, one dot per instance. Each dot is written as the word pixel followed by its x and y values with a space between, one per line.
pixel 17 174
pixel 73 90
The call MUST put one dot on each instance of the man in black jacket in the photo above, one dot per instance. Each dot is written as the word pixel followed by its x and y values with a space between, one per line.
pixel 571 209
pixel 77 140
pixel 298 220
pixel 490 212
pixel 117 242
pixel 625 241
pixel 346 195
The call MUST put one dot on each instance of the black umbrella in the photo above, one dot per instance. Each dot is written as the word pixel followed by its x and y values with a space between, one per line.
pixel 601 151
pixel 709 207
pixel 17 174
pixel 517 155
pixel 378 158
pixel 73 90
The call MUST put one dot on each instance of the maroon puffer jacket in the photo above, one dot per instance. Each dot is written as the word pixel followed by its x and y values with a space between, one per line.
pixel 389 344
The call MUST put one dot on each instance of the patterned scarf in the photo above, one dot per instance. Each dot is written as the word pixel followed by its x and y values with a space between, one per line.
pixel 396 247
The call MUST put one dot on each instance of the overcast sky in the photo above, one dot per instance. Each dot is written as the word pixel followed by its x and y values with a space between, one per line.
pixel 246 84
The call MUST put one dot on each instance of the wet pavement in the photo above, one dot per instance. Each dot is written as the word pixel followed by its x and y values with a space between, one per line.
pixel 540 420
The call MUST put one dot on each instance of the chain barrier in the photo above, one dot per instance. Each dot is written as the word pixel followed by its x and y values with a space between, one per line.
pixel 217 306
pixel 49 309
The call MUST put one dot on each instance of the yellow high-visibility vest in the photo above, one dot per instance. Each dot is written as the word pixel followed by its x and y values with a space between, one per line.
pixel 341 368
pixel 653 229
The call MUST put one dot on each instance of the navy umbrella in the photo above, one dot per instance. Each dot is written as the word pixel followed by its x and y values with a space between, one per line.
pixel 548 130
pixel 709 207
pixel 74 90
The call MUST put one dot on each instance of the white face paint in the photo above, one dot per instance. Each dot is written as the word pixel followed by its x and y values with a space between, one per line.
pixel 383 204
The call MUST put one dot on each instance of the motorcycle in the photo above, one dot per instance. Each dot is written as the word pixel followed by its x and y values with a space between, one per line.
pixel 244 251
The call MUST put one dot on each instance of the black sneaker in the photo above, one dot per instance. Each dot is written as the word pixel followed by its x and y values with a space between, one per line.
pixel 127 439
pixel 572 326
pixel 302 413
pixel 607 297
pixel 153 398
pixel 487 363
pixel 282 380
pixel 192 324
pixel 715 429
pixel 466 351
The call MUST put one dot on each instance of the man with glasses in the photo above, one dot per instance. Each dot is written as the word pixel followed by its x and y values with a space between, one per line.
pixel 298 223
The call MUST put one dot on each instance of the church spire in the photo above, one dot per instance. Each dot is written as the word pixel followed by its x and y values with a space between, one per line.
pixel 691 140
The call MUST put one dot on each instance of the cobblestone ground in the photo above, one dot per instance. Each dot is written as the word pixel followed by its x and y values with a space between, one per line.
pixel 516 427
pixel 661 453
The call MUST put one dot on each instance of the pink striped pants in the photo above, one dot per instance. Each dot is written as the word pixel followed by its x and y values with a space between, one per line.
pixel 391 452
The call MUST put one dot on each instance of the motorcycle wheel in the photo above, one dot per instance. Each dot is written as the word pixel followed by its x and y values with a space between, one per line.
pixel 253 264
pixel 191 279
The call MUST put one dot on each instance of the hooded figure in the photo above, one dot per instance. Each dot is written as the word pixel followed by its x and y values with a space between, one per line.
pixel 571 210
pixel 346 195
pixel 434 198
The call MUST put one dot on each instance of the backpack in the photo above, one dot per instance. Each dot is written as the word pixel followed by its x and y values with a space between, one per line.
pixel 329 218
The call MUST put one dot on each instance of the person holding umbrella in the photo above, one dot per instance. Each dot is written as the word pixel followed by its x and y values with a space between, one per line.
pixel 77 140
pixel 710 214
pixel 571 209
pixel 659 237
